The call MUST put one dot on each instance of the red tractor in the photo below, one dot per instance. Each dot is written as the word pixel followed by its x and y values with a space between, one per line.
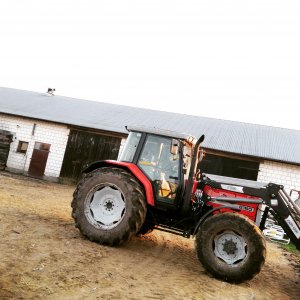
pixel 157 184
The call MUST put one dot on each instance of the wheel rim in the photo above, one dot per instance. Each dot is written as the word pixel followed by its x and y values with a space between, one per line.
pixel 105 206
pixel 230 247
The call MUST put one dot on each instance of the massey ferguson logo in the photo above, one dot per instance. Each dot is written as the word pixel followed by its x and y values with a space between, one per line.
pixel 247 208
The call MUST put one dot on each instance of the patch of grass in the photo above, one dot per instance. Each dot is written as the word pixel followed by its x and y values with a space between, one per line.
pixel 291 248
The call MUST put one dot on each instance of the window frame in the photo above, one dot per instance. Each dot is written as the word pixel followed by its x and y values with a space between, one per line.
pixel 20 146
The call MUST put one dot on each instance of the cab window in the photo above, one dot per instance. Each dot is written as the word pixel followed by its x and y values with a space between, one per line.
pixel 130 146
pixel 160 165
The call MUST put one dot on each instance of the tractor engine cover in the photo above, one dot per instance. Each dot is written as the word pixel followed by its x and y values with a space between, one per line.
pixel 250 210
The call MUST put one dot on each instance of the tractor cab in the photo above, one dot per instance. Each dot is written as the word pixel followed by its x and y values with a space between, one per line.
pixel 165 158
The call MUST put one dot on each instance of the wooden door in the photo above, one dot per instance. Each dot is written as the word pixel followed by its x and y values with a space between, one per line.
pixel 5 140
pixel 39 159
pixel 85 147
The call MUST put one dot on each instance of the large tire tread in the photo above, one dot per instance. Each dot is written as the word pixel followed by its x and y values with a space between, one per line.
pixel 256 247
pixel 137 203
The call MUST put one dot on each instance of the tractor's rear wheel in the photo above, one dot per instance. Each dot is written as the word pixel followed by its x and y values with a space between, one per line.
pixel 109 206
pixel 231 247
pixel 149 224
pixel 146 228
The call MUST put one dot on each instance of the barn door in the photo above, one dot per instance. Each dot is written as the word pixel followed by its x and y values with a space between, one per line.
pixel 86 147
pixel 39 159
pixel 5 140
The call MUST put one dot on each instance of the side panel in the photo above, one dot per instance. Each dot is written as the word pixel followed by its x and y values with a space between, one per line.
pixel 247 209
pixel 133 169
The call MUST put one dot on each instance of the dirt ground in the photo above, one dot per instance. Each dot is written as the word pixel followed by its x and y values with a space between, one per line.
pixel 43 256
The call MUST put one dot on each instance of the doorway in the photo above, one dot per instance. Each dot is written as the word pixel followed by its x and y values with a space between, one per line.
pixel 230 167
pixel 39 159
pixel 6 138
pixel 85 147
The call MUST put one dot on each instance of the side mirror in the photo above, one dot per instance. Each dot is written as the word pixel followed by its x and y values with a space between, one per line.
pixel 174 147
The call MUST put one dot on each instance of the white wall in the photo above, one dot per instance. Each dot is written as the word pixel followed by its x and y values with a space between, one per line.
pixel 45 132
pixel 280 173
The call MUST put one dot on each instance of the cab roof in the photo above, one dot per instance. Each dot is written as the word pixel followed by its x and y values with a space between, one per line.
pixel 162 132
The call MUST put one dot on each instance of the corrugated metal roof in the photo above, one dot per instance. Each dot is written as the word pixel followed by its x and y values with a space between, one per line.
pixel 241 138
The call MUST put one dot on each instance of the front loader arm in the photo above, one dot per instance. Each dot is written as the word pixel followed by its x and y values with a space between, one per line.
pixel 285 211
pixel 281 206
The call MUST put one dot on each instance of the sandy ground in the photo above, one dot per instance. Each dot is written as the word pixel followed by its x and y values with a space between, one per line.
pixel 43 256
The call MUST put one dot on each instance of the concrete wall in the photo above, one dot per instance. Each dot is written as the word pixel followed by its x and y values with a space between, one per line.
pixel 285 174
pixel 45 132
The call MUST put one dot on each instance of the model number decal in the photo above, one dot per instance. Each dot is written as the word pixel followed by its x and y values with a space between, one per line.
pixel 247 208
pixel 233 188
pixel 293 226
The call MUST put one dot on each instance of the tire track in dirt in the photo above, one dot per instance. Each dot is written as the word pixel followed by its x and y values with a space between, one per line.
pixel 167 268
pixel 160 265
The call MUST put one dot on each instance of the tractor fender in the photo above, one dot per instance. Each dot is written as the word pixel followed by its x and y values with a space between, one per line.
pixel 205 216
pixel 132 168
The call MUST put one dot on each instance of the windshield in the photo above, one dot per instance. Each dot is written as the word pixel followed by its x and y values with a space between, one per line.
pixel 130 146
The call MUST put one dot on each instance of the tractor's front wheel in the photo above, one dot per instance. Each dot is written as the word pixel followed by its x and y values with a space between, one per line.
pixel 231 247
pixel 109 206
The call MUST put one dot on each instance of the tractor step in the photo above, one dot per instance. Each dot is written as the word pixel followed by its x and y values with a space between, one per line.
pixel 184 233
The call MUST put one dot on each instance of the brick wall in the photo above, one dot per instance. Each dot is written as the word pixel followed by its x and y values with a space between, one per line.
pixel 280 173
pixel 45 132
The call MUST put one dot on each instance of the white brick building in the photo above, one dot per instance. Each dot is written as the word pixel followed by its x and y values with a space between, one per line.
pixel 285 174
pixel 30 133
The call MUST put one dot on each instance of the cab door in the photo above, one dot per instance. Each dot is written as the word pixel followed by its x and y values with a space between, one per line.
pixel 161 167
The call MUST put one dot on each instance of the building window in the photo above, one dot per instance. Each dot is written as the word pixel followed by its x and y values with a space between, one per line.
pixel 22 147
pixel 42 146
pixel 230 167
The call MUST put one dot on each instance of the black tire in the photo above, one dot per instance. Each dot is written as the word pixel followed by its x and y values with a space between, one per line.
pixel 149 224
pixel 213 247
pixel 146 228
pixel 109 206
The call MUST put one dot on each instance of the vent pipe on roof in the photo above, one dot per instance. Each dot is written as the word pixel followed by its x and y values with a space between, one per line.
pixel 51 91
